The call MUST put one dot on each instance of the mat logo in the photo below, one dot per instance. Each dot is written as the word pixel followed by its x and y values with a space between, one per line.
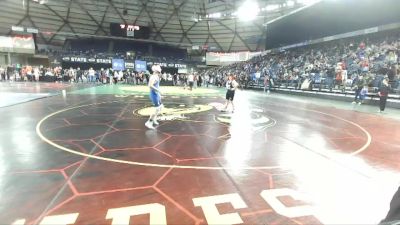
pixel 157 211
pixel 174 111
pixel 256 117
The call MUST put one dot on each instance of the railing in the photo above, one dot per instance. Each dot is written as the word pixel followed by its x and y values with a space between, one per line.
pixel 327 85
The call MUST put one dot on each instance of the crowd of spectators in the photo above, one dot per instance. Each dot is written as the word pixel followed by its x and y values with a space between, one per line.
pixel 358 64
pixel 118 55
pixel 130 55
pixel 28 73
pixel 59 74
pixel 338 64
pixel 100 76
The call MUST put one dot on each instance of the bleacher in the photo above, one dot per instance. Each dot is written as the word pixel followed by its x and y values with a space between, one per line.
pixel 314 69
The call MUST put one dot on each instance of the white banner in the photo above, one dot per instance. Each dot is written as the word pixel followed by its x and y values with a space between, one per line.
pixel 217 58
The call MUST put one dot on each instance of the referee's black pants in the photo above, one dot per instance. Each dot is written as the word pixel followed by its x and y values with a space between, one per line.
pixel 382 102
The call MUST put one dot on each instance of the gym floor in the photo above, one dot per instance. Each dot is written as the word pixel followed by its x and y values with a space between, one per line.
pixel 84 156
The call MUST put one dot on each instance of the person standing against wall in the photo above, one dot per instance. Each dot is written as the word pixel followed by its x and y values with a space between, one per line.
pixel 383 95
pixel 267 83
pixel 190 79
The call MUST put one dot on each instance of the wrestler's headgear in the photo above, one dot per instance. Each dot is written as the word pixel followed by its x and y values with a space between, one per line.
pixel 156 68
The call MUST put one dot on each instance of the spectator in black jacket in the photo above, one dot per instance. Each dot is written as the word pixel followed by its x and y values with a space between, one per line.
pixel 383 94
pixel 78 75
pixel 393 216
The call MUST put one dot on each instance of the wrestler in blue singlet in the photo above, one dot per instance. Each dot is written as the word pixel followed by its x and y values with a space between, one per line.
pixel 154 95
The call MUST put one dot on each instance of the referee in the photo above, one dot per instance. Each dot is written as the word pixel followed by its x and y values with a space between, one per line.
pixel 231 86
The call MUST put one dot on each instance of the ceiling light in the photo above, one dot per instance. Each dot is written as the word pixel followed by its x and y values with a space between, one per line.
pixel 307 2
pixel 248 11
pixel 216 15
pixel 41 1
pixel 271 7
pixel 290 3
